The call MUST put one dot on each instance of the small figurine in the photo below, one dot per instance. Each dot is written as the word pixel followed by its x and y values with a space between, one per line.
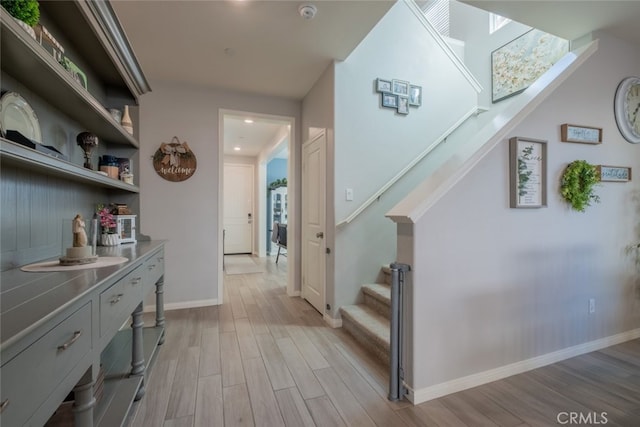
pixel 80 253
pixel 79 233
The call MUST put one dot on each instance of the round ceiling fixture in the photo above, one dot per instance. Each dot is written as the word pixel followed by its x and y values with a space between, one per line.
pixel 307 11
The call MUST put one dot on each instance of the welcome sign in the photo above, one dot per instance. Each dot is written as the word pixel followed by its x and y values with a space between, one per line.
pixel 175 161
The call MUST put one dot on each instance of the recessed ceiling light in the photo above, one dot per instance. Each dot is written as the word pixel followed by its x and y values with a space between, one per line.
pixel 236 148
pixel 248 121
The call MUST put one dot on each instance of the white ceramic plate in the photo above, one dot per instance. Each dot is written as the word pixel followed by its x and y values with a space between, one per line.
pixel 17 114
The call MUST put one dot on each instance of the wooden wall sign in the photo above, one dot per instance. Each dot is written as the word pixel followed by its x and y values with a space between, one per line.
pixel 614 173
pixel 582 134
pixel 175 161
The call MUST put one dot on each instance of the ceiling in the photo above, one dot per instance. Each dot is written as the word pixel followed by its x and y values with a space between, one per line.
pixel 262 47
pixel 265 46
pixel 253 137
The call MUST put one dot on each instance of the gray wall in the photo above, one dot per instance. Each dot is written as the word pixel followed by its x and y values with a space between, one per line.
pixel 186 213
pixel 373 144
pixel 494 286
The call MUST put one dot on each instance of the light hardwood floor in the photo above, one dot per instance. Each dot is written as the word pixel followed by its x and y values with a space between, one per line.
pixel 265 359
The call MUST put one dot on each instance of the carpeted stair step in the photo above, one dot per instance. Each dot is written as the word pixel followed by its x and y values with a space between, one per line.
pixel 378 297
pixel 369 328
pixel 386 274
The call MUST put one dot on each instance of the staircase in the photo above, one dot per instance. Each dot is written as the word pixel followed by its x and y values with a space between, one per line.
pixel 368 323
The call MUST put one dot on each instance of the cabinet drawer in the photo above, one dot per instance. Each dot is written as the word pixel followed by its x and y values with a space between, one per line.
pixel 118 301
pixel 29 378
pixel 154 268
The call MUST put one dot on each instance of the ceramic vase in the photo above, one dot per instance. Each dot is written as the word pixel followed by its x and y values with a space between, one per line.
pixel 109 239
pixel 126 122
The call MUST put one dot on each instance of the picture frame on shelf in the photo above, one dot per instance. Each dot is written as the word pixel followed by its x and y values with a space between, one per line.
pixel 415 95
pixel 581 134
pixel 403 105
pixel 614 173
pixel 519 63
pixel 383 86
pixel 389 100
pixel 527 173
pixel 400 87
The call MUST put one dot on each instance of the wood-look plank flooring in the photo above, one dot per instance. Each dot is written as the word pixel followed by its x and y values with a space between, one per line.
pixel 265 359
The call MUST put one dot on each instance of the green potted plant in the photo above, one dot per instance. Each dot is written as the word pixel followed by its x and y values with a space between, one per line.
pixel 578 185
pixel 27 12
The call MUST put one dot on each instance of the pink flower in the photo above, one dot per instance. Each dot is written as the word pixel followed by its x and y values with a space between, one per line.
pixel 107 221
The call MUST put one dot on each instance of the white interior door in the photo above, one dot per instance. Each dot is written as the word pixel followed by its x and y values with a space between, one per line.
pixel 238 208
pixel 313 221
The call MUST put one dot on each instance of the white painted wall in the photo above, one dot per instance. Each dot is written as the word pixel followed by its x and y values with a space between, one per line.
pixel 471 25
pixel 187 213
pixel 317 114
pixel 494 286
pixel 374 143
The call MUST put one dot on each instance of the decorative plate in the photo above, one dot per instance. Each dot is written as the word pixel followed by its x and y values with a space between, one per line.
pixel 16 114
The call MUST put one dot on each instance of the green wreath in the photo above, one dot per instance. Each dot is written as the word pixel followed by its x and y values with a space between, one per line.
pixel 577 185
pixel 28 11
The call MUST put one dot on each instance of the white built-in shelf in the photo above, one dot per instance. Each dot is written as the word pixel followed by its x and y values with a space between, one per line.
pixel 12 153
pixel 27 61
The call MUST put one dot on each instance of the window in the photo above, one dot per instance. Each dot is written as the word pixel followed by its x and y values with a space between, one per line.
pixel 437 12
pixel 496 22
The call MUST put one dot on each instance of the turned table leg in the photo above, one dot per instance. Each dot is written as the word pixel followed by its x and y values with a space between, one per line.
pixel 137 348
pixel 160 306
pixel 84 401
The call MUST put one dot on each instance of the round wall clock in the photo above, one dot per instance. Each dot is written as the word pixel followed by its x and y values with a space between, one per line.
pixel 626 108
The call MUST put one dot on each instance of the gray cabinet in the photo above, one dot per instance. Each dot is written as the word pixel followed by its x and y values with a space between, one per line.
pixel 46 363
pixel 55 339
pixel 93 39
pixel 60 330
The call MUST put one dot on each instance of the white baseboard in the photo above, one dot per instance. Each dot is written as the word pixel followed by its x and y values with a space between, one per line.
pixel 183 304
pixel 293 293
pixel 334 323
pixel 428 393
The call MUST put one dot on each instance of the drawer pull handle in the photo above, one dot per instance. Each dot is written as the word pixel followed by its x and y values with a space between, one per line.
pixel 136 280
pixel 116 299
pixel 74 338
pixel 151 267
pixel 160 258
pixel 4 405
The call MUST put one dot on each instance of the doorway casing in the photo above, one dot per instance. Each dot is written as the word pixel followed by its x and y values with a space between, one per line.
pixel 293 167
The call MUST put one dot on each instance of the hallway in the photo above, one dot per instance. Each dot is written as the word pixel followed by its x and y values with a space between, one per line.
pixel 266 359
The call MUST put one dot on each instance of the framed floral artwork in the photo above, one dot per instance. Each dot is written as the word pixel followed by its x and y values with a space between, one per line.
pixel 519 63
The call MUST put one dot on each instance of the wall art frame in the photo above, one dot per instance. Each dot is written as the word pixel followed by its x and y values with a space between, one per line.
pixel 527 173
pixel 581 134
pixel 400 87
pixel 519 63
pixel 415 95
pixel 614 173
pixel 383 86
pixel 403 105
pixel 389 100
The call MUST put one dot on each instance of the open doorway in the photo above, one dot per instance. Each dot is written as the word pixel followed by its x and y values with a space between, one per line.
pixel 261 144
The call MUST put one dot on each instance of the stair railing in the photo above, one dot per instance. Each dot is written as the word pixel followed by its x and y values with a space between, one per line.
pixel 471 113
pixel 397 389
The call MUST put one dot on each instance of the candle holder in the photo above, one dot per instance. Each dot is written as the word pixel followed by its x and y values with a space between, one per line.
pixel 87 141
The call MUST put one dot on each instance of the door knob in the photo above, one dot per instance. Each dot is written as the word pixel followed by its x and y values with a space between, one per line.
pixel 320 235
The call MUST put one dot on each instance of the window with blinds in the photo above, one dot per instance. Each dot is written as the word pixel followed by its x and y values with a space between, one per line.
pixel 437 12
